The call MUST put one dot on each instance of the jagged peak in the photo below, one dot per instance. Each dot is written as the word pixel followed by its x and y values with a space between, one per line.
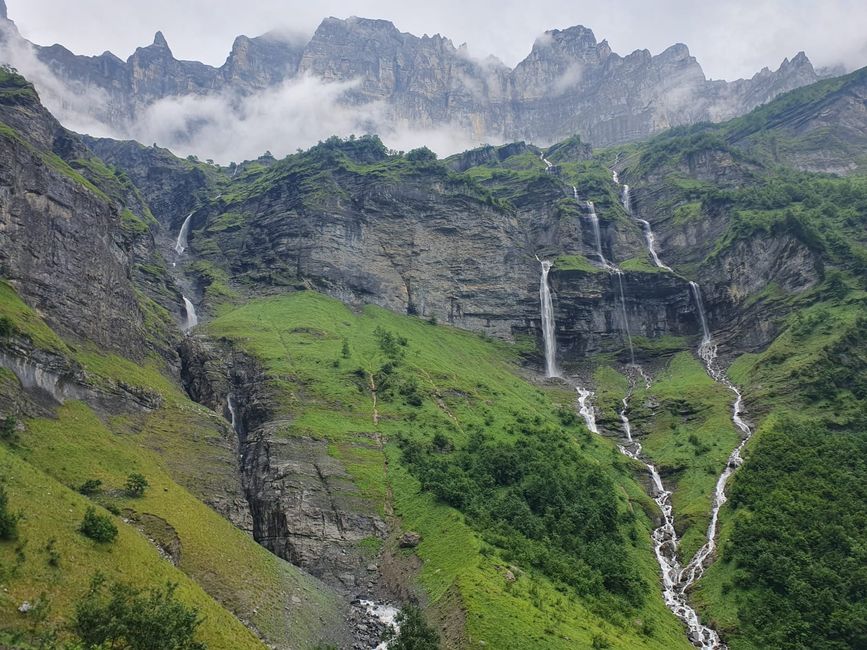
pixel 676 52
pixel 160 41
pixel 3 13
pixel 796 63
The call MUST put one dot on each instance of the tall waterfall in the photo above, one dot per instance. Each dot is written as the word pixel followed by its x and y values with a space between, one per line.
pixel 192 319
pixel 619 274
pixel 548 332
pixel 649 237
pixel 182 243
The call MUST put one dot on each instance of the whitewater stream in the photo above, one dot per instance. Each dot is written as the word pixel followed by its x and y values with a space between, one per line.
pixel 676 579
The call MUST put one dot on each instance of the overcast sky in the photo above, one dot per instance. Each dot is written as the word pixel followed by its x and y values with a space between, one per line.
pixel 731 39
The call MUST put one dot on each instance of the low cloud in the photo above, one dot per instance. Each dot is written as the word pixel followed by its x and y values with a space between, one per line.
pixel 73 104
pixel 227 127
pixel 570 78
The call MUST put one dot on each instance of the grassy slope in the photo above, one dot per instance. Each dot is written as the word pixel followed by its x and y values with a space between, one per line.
pixel 182 450
pixel 797 376
pixel 464 381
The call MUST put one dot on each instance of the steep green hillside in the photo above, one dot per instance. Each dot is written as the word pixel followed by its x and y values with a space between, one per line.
pixel 454 424
pixel 781 257
pixel 170 534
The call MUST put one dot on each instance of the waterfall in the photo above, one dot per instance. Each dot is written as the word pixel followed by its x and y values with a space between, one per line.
pixel 649 237
pixel 665 542
pixel 182 243
pixel 548 332
pixel 585 408
pixel 619 274
pixel 233 413
pixel 192 319
pixel 548 164
pixel 706 349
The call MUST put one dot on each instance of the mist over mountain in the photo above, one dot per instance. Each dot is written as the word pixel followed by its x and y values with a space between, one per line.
pixel 365 76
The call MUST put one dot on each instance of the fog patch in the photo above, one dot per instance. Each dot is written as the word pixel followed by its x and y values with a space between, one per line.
pixel 570 78
pixel 74 104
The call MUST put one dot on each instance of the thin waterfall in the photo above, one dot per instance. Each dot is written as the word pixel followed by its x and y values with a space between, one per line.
pixel 619 274
pixel 548 332
pixel 182 243
pixel 192 319
pixel 649 237
pixel 548 163
pixel 233 412
pixel 594 222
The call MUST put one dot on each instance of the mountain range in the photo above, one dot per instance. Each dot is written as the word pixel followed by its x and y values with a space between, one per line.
pixel 569 83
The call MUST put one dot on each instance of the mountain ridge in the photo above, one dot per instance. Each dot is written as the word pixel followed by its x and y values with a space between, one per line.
pixel 568 83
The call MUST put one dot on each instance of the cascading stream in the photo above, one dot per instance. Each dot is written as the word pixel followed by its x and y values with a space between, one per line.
pixel 548 163
pixel 649 237
pixel 665 541
pixel 707 350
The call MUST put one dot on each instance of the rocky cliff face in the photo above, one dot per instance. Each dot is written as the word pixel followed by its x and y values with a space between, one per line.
pixel 302 504
pixel 569 83
pixel 62 242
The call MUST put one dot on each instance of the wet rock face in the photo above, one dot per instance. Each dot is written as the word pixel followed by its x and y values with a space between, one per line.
pixel 569 83
pixel 303 505
pixel 589 315
pixel 306 508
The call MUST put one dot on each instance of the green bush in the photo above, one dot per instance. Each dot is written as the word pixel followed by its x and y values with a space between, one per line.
pixel 120 616
pixel 99 528
pixel 90 487
pixel 7 429
pixel 136 484
pixel 7 328
pixel 8 521
pixel 415 633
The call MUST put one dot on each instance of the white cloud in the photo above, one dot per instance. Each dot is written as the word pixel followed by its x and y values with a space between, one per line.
pixel 297 114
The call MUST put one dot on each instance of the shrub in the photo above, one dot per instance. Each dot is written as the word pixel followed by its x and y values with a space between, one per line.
pixel 90 486
pixel 122 616
pixel 8 521
pixel 7 428
pixel 99 528
pixel 415 633
pixel 6 327
pixel 136 484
